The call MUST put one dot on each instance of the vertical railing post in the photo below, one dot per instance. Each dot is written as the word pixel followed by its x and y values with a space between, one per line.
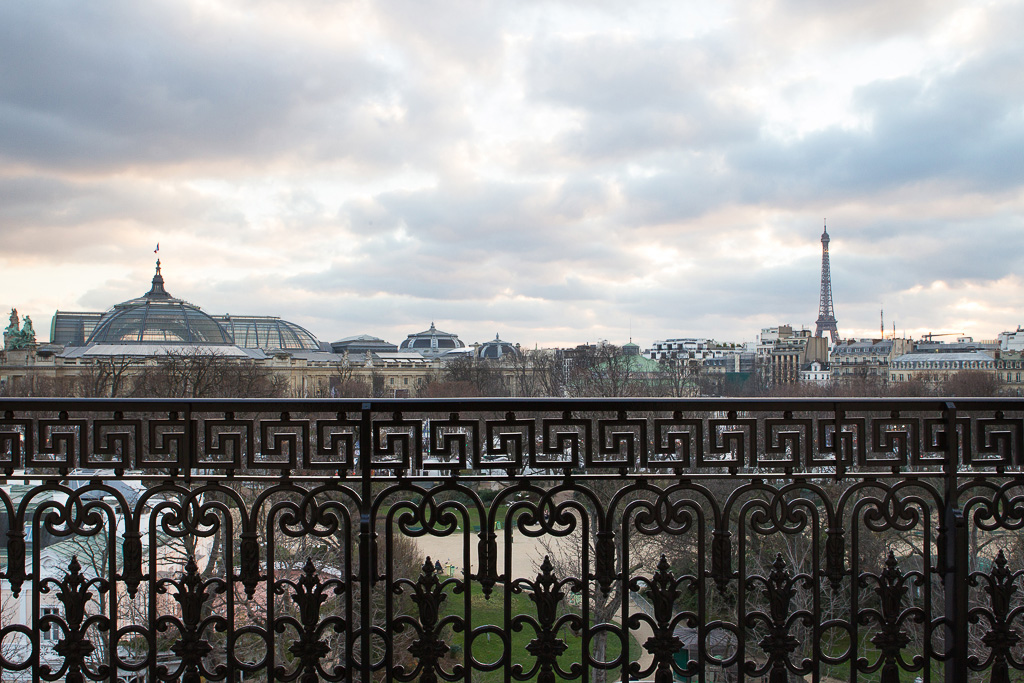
pixel 191 444
pixel 953 546
pixel 365 541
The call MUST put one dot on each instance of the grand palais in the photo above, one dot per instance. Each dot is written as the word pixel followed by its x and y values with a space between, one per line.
pixel 146 331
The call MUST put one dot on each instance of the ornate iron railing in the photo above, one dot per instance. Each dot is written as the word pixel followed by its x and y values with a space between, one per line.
pixel 501 540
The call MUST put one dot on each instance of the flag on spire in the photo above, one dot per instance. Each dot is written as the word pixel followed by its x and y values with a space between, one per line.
pixel 157 250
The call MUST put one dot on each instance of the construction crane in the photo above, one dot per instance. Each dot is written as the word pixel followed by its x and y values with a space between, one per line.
pixel 928 337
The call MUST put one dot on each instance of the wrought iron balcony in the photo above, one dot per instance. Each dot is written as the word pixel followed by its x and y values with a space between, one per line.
pixel 512 540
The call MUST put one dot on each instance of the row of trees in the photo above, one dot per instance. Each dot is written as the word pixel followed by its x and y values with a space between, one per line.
pixel 589 371
pixel 607 371
pixel 198 374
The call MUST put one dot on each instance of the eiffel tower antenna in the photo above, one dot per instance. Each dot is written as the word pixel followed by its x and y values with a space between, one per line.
pixel 826 315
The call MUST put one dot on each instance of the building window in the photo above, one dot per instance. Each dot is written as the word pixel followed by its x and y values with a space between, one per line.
pixel 51 632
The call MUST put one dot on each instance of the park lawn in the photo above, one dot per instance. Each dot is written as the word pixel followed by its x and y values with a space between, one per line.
pixel 491 612
pixel 841 672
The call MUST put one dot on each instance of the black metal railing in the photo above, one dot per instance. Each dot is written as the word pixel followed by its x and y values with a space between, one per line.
pixel 510 540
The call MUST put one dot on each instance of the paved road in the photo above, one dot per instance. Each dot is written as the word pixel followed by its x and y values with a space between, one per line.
pixel 450 551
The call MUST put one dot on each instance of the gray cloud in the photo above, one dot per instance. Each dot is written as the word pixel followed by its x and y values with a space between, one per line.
pixel 549 172
pixel 640 97
pixel 963 126
pixel 121 83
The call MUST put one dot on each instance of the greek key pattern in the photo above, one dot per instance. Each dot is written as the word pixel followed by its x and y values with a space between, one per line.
pixel 211 438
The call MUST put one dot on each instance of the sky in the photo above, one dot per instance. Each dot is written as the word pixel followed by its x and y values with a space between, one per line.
pixel 556 173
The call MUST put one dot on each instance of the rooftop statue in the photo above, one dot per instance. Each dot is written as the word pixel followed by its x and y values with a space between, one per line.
pixel 25 338
pixel 11 333
pixel 28 333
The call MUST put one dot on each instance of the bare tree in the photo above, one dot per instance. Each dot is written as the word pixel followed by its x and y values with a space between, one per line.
pixel 548 372
pixel 680 378
pixel 33 385
pixel 605 370
pixel 970 383
pixel 343 383
pixel 199 373
pixel 466 376
pixel 378 384
pixel 520 372
pixel 106 376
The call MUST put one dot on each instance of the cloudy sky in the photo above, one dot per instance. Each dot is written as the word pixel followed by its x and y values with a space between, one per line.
pixel 556 172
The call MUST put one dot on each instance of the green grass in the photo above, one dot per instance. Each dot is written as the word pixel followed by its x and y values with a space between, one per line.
pixel 871 653
pixel 491 612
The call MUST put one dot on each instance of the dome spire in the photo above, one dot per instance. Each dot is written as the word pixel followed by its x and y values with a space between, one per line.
pixel 157 291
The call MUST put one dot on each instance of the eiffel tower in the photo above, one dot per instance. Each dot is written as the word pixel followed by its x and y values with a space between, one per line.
pixel 826 315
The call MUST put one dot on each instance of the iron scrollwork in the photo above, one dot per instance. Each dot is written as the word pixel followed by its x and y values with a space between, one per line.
pixel 779 589
pixel 891 588
pixel 309 594
pixel 191 592
pixel 286 540
pixel 546 592
pixel 428 594
pixel 1001 637
pixel 74 593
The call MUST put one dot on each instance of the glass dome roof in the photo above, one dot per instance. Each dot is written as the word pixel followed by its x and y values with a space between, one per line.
pixel 158 318
pixel 265 332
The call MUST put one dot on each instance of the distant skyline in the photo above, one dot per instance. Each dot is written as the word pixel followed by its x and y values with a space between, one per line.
pixel 555 172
